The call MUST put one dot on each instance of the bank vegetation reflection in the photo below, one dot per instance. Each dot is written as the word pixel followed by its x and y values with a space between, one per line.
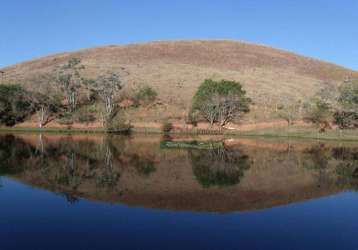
pixel 243 175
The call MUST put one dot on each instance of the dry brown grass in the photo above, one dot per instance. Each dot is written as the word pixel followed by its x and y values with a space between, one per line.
pixel 175 70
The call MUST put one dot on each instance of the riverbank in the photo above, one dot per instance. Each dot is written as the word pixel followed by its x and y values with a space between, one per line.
pixel 297 131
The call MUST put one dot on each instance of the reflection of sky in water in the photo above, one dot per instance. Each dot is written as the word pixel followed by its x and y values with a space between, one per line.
pixel 31 218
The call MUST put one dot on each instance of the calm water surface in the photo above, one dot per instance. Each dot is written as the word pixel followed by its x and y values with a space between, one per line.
pixel 148 192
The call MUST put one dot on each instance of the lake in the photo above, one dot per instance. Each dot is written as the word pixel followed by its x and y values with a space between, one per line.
pixel 84 191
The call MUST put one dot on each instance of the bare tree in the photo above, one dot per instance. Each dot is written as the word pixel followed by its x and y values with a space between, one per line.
pixel 223 109
pixel 289 109
pixel 209 110
pixel 45 114
pixel 231 107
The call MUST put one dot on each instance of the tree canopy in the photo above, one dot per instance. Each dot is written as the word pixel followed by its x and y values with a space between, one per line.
pixel 15 104
pixel 221 101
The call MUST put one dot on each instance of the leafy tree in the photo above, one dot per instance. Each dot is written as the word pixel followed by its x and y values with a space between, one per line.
pixel 221 101
pixel 16 104
pixel 70 81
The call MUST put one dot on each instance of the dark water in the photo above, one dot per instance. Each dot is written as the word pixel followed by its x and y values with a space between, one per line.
pixel 140 192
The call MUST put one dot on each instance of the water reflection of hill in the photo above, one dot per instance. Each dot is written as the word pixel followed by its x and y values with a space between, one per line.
pixel 243 175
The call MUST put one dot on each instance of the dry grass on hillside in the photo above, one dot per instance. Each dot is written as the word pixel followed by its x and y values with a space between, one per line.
pixel 175 70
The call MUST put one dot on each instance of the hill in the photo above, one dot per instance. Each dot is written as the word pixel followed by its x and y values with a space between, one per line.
pixel 175 69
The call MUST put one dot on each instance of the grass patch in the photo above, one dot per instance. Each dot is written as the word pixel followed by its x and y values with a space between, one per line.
pixel 301 132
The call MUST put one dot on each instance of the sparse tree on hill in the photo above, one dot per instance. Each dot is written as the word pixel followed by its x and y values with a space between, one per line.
pixel 319 112
pixel 70 80
pixel 328 93
pixel 106 87
pixel 288 110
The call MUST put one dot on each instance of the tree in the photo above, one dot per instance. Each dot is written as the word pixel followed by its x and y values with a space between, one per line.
pixel 70 80
pixel 289 109
pixel 328 93
pixel 221 101
pixel 106 87
pixel 347 114
pixel 348 97
pixel 16 104
pixel 319 112
pixel 47 107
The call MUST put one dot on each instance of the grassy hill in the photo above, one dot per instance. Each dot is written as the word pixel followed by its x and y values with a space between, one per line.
pixel 175 69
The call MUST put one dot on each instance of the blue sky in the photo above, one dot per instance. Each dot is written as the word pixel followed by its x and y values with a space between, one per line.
pixel 325 29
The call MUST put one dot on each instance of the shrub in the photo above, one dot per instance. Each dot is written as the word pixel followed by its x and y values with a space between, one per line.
pixel 221 101
pixel 86 118
pixel 118 123
pixel 66 119
pixel 346 119
pixel 146 95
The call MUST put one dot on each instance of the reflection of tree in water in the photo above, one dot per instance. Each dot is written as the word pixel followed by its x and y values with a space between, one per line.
pixel 12 152
pixel 317 159
pixel 144 166
pixel 108 177
pixel 319 155
pixel 67 175
pixel 86 161
pixel 347 167
pixel 70 198
pixel 219 166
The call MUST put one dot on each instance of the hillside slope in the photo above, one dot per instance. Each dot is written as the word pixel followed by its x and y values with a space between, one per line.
pixel 175 70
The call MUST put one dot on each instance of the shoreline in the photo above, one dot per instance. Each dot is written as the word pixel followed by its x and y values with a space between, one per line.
pixel 279 133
